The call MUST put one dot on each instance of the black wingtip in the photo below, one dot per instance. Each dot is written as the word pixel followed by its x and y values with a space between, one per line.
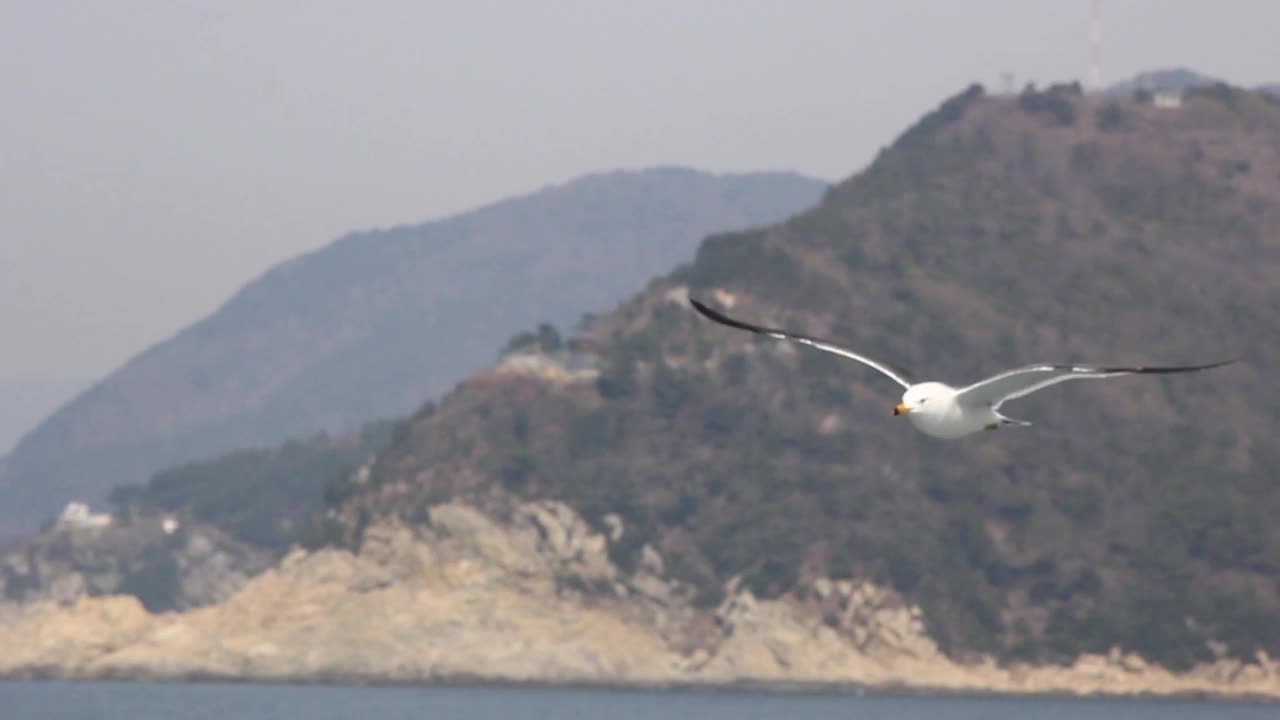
pixel 1155 370
pixel 707 312
pixel 700 307
pixel 723 319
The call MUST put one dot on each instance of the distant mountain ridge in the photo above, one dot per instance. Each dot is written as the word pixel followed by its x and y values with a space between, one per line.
pixel 24 402
pixel 373 324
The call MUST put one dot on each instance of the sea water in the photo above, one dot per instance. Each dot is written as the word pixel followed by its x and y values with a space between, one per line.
pixel 166 701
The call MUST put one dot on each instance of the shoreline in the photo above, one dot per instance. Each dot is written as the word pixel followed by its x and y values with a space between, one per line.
pixel 471 602
pixel 743 687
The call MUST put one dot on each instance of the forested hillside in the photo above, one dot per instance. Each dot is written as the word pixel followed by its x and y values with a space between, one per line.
pixel 996 231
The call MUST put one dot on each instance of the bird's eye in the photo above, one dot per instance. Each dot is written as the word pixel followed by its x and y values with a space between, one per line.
pixel 924 400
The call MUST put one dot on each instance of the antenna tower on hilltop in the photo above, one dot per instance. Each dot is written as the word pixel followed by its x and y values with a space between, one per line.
pixel 1095 61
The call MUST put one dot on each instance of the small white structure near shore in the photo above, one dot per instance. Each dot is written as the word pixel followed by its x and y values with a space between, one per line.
pixel 77 516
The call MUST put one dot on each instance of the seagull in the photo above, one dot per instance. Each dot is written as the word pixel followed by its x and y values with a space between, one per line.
pixel 947 412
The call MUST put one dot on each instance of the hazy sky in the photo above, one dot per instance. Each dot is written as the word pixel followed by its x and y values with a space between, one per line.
pixel 154 156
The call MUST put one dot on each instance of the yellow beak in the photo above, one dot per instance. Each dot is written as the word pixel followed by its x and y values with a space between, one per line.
pixel 901 409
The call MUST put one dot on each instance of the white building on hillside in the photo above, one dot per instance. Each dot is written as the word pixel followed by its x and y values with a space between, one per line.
pixel 77 516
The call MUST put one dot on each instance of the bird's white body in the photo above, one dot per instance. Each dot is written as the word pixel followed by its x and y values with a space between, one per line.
pixel 934 409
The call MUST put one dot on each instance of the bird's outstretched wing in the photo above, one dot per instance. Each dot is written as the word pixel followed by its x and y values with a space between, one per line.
pixel 897 375
pixel 1025 380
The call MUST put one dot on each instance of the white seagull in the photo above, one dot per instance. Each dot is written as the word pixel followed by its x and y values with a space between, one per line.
pixel 944 411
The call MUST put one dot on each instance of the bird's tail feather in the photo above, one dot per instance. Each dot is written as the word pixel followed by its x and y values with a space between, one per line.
pixel 1012 421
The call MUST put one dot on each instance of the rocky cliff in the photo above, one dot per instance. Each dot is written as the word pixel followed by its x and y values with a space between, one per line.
pixel 166 564
pixel 534 597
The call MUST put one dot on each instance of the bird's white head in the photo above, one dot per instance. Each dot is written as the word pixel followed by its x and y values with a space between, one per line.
pixel 924 398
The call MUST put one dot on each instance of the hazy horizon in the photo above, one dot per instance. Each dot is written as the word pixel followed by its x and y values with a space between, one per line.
pixel 160 155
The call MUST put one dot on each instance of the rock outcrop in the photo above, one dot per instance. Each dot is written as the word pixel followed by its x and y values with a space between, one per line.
pixel 170 565
pixel 534 598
